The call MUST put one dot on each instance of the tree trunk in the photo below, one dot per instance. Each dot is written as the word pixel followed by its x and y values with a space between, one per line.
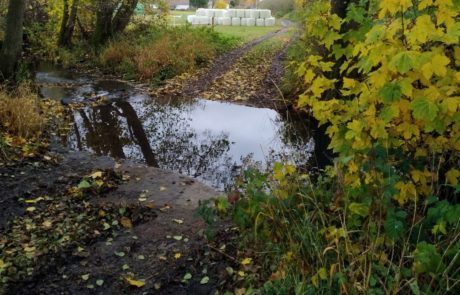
pixel 12 46
pixel 123 16
pixel 112 17
pixel 68 24
pixel 65 20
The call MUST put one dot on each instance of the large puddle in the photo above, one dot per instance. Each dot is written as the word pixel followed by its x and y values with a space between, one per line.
pixel 205 139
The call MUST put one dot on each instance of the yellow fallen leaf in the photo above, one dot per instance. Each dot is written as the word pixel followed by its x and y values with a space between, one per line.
pixel 136 283
pixel 177 255
pixel 29 249
pixel 162 188
pixel 126 222
pixel 33 201
pixel 96 174
pixel 179 221
pixel 2 264
pixel 31 209
pixel 47 224
pixel 246 261
pixel 241 273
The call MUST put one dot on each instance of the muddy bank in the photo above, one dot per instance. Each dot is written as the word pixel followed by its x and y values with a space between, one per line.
pixel 159 248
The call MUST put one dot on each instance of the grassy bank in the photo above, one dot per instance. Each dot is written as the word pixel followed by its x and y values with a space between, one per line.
pixel 162 54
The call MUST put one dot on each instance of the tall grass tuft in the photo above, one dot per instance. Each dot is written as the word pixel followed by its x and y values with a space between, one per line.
pixel 20 114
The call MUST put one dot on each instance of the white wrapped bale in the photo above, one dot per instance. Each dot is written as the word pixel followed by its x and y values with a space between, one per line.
pixel 250 22
pixel 265 13
pixel 252 13
pixel 226 13
pixel 260 22
pixel 244 22
pixel 218 21
pixel 219 13
pixel 190 18
pixel 240 13
pixel 270 22
pixel 231 13
pixel 236 21
pixel 226 21
pixel 203 20
pixel 209 13
pixel 201 12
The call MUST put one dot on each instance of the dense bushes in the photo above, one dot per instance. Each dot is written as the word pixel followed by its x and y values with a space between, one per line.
pixel 385 219
pixel 165 53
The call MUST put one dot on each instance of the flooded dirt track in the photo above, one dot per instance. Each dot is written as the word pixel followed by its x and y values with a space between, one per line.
pixel 205 139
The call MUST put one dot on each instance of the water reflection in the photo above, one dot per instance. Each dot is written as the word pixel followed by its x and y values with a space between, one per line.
pixel 204 139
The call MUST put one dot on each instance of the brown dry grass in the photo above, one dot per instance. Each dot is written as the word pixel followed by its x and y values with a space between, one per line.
pixel 20 113
pixel 161 58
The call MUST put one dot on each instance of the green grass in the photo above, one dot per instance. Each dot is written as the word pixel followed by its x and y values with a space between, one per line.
pixel 246 34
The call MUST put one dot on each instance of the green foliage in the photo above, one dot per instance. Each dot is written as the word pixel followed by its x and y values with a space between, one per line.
pixel 385 218
pixel 199 3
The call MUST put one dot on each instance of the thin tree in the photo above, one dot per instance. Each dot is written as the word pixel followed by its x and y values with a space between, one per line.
pixel 112 17
pixel 69 20
pixel 12 45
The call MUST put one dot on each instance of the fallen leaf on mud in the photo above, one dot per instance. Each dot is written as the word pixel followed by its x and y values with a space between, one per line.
pixel 100 282
pixel 177 238
pixel 165 208
pixel 162 188
pixel 177 255
pixel 47 158
pixel 142 197
pixel 85 277
pixel 33 201
pixel 120 254
pixel 204 280
pixel 31 209
pixel 179 221
pixel 161 257
pixel 126 222
pixel 96 174
pixel 229 270
pixel 157 286
pixel 141 257
pixel 84 184
pixel 135 283
pixel 241 273
pixel 90 286
pixel 2 264
pixel 241 291
pixel 138 179
pixel 125 267
pixel 187 277
pixel 117 165
pixel 246 261
pixel 106 226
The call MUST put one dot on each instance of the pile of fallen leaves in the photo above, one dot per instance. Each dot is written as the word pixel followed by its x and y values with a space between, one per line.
pixel 246 76
pixel 62 224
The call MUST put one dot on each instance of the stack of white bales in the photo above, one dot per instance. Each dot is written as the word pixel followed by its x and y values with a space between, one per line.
pixel 234 17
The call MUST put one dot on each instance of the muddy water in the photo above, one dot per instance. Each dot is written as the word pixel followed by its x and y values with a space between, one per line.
pixel 205 139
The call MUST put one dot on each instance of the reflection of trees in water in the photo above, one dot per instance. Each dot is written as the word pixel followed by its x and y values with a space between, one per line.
pixel 159 135
pixel 180 148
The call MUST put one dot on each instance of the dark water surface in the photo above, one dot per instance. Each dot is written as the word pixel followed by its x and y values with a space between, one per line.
pixel 205 139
